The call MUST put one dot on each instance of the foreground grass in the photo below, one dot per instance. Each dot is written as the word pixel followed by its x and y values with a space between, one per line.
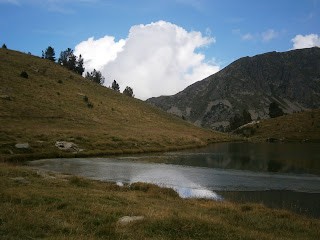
pixel 76 208
pixel 52 105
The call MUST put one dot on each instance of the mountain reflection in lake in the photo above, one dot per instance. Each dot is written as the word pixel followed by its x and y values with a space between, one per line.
pixel 294 158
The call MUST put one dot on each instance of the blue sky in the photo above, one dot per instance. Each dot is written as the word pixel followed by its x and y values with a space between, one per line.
pixel 218 32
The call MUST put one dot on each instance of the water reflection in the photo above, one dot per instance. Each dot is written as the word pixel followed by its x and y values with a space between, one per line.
pixel 278 175
pixel 125 172
pixel 266 157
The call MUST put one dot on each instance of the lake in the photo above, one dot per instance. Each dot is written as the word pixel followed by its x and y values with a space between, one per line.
pixel 285 176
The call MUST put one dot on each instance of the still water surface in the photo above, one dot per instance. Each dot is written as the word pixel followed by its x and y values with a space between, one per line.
pixel 278 175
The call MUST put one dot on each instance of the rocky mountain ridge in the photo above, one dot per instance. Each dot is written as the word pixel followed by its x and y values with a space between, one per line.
pixel 292 79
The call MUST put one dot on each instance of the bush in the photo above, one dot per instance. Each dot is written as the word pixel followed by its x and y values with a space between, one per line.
pixel 24 74
pixel 60 81
pixel 86 99
pixel 90 105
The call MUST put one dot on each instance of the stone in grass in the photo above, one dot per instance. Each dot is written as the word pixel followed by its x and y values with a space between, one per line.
pixel 68 146
pixel 6 97
pixel 22 145
pixel 128 219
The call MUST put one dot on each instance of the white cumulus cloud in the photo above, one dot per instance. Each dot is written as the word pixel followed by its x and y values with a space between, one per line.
pixel 155 59
pixel 306 41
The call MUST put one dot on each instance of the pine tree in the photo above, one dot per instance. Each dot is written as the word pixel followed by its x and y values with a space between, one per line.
pixel 128 91
pixel 115 86
pixel 79 66
pixel 67 59
pixel 246 116
pixel 49 54
pixel 95 76
pixel 4 46
pixel 275 110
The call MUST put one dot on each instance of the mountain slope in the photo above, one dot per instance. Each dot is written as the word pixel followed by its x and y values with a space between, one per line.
pixel 55 104
pixel 290 78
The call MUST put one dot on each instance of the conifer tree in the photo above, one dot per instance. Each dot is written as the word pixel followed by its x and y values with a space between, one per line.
pixel 49 54
pixel 128 91
pixel 115 86
pixel 275 110
pixel 95 76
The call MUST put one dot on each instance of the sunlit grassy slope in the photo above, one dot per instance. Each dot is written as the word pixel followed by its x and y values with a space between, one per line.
pixel 302 127
pixel 50 106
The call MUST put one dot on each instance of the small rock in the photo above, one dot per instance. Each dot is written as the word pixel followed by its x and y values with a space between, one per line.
pixel 6 97
pixel 22 145
pixel 20 180
pixel 128 219
pixel 68 146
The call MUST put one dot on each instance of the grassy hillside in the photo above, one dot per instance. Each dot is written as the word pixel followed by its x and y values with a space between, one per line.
pixel 50 105
pixel 65 207
pixel 302 127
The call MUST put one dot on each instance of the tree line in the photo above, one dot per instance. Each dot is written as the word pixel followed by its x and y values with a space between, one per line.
pixel 74 63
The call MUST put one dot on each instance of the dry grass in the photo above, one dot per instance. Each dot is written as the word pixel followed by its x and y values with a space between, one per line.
pixel 50 106
pixel 299 127
pixel 76 208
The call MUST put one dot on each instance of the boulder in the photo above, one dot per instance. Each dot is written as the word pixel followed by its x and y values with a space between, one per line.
pixel 22 145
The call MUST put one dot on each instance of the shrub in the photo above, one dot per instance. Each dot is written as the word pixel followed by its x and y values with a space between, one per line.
pixel 24 74
pixel 85 98
pixel 60 81
pixel 90 105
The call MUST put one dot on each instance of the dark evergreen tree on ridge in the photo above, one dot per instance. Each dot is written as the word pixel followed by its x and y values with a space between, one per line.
pixel 4 46
pixel 49 54
pixel 275 110
pixel 128 91
pixel 95 76
pixel 79 66
pixel 115 86
pixel 69 60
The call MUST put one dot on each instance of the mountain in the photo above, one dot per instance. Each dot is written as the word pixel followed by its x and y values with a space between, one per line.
pixel 51 103
pixel 292 79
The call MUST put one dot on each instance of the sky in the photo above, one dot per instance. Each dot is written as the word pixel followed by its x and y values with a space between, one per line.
pixel 159 47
